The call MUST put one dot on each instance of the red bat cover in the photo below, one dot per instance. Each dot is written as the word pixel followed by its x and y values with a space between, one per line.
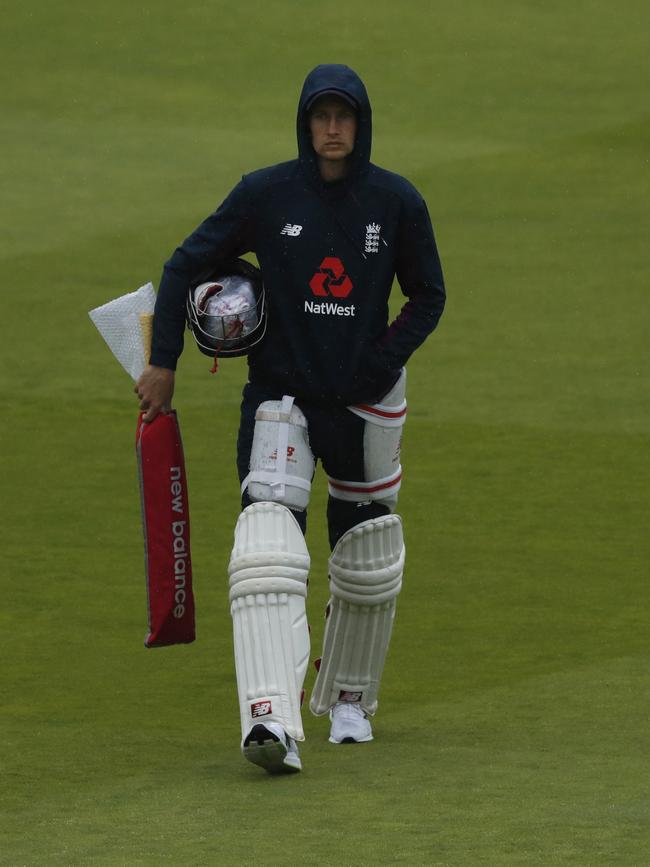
pixel 166 526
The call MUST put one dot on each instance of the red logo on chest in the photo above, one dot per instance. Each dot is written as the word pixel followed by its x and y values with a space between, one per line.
pixel 331 279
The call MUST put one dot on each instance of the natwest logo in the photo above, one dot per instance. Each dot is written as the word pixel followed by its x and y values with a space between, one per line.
pixel 331 279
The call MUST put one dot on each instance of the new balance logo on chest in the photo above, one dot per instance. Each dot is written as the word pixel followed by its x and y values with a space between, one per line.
pixel 292 230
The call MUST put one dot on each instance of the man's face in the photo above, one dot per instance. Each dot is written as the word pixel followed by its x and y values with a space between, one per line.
pixel 333 126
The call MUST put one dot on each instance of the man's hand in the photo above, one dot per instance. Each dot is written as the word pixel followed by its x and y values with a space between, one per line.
pixel 155 389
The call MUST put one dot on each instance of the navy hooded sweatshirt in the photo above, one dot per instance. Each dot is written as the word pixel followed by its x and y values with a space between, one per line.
pixel 328 253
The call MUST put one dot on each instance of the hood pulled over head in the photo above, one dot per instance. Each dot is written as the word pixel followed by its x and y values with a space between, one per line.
pixel 334 78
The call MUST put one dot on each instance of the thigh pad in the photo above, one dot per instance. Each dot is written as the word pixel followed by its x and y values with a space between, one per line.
pixel 281 462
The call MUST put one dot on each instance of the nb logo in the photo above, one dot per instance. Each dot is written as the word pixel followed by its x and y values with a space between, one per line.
pixel 260 708
pixel 292 230
pixel 331 279
pixel 344 695
pixel 290 451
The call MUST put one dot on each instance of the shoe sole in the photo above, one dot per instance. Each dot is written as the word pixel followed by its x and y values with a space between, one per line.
pixel 351 740
pixel 265 749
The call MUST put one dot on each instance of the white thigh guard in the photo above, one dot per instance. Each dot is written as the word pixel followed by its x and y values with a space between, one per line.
pixel 382 438
pixel 281 463
pixel 268 585
pixel 366 568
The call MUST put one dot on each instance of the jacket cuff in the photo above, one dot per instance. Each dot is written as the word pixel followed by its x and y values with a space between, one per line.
pixel 163 359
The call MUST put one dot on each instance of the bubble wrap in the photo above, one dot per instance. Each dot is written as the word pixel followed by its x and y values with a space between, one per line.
pixel 119 323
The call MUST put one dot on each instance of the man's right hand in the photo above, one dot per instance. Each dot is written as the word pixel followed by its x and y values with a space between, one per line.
pixel 155 389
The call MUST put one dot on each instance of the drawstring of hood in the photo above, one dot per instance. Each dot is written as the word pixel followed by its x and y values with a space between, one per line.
pixel 330 207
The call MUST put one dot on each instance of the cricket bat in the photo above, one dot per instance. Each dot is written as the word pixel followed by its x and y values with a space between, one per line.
pixel 127 324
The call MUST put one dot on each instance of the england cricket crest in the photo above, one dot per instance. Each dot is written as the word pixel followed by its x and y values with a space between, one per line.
pixel 372 238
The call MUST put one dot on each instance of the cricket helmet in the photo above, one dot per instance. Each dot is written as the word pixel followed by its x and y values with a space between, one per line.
pixel 226 312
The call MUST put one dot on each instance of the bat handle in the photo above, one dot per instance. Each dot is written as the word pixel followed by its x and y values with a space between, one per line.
pixel 146 327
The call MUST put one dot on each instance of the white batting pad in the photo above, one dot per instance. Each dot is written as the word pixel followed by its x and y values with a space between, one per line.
pixel 118 322
pixel 366 569
pixel 268 586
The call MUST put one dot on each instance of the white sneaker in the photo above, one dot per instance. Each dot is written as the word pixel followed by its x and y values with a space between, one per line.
pixel 270 747
pixel 350 725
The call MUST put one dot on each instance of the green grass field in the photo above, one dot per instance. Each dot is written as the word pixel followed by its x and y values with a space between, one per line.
pixel 513 726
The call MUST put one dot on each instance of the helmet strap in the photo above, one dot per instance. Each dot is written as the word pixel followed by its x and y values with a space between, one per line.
pixel 234 331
